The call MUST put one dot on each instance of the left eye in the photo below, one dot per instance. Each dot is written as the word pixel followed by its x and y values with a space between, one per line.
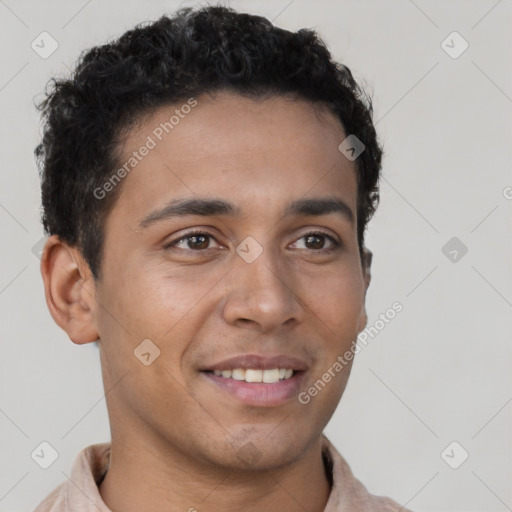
pixel 200 240
pixel 317 239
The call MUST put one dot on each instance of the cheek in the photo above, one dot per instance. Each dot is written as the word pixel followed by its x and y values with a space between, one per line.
pixel 167 309
pixel 338 302
pixel 151 303
pixel 152 307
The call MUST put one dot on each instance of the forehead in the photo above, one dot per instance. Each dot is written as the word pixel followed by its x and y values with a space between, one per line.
pixel 256 153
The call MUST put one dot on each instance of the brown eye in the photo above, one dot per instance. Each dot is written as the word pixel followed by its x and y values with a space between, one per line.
pixel 316 242
pixel 196 241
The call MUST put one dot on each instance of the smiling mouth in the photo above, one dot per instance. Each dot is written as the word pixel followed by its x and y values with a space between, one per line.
pixel 258 387
pixel 254 375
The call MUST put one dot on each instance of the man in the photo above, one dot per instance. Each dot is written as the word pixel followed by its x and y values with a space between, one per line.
pixel 206 184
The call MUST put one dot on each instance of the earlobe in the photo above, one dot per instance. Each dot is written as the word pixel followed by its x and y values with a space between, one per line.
pixel 69 290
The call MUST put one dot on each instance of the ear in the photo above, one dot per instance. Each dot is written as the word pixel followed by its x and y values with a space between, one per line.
pixel 367 267
pixel 366 263
pixel 69 290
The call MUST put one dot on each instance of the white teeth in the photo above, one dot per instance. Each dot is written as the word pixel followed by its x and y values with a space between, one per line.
pixel 238 374
pixel 270 376
pixel 255 375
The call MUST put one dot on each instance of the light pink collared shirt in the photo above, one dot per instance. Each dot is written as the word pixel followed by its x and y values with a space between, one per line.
pixel 80 493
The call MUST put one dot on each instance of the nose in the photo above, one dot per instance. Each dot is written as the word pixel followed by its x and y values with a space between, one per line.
pixel 262 295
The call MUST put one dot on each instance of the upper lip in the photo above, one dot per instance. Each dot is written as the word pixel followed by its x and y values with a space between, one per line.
pixel 260 363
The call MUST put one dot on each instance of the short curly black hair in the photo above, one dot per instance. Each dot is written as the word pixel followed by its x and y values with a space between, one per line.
pixel 195 51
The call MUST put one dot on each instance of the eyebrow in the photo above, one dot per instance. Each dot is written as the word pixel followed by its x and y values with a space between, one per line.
pixel 180 207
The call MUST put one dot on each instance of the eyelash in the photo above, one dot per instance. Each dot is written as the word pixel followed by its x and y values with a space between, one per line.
pixel 335 243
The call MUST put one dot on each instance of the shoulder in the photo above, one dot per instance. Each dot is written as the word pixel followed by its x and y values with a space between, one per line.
pixel 348 493
pixel 56 501
pixel 89 467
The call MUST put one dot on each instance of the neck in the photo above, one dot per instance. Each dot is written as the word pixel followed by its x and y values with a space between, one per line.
pixel 141 477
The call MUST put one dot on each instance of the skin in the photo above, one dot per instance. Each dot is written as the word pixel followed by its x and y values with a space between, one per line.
pixel 176 438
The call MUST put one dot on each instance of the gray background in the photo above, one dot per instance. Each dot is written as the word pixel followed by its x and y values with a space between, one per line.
pixel 439 372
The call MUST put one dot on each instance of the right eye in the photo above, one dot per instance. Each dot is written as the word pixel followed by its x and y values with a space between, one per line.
pixel 193 240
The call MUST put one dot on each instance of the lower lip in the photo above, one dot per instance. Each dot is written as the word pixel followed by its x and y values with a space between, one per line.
pixel 257 393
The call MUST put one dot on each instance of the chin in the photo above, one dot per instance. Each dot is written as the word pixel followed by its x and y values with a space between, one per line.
pixel 263 450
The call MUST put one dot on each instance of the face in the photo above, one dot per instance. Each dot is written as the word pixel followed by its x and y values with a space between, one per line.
pixel 262 275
